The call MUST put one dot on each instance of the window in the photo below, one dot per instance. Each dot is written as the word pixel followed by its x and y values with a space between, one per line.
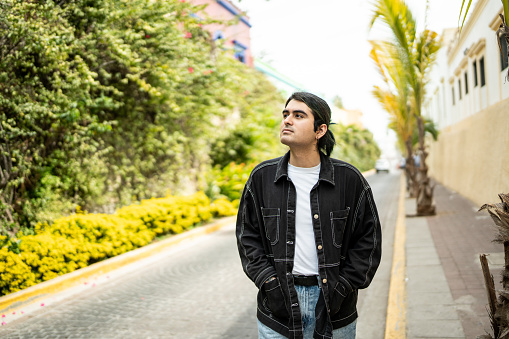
pixel 459 88
pixel 481 69
pixel 217 35
pixel 453 98
pixel 475 73
pixel 239 51
pixel 466 83
pixel 503 55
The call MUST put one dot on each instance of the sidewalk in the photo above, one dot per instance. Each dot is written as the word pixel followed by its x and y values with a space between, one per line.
pixel 446 297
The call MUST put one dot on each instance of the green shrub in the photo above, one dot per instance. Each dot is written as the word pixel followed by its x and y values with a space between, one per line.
pixel 81 239
pixel 229 181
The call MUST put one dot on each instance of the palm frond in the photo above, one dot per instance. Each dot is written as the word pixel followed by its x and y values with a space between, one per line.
pixel 464 14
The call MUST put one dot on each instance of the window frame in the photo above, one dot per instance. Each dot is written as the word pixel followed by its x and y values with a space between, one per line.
pixel 482 70
pixel 476 80
pixel 466 82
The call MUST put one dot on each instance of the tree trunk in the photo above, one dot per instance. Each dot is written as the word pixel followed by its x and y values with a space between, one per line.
pixel 425 202
pixel 502 314
pixel 410 171
pixel 490 292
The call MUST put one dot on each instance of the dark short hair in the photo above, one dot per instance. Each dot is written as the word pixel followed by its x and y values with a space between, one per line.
pixel 322 115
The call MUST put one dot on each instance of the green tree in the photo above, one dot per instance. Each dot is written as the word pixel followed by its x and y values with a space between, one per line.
pixel 355 145
pixel 395 100
pixel 338 102
pixel 45 111
pixel 103 102
pixel 418 53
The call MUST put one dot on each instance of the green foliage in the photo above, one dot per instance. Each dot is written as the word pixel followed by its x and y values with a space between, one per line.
pixel 45 105
pixel 229 181
pixel 106 102
pixel 338 102
pixel 253 136
pixel 355 146
pixel 233 147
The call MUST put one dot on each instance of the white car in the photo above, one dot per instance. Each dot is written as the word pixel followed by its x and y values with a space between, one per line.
pixel 382 165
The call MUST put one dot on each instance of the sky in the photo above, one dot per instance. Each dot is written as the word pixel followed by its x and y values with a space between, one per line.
pixel 323 45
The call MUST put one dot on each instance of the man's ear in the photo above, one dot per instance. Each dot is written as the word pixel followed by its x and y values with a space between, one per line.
pixel 321 130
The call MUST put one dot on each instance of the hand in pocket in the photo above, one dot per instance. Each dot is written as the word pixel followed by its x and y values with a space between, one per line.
pixel 275 300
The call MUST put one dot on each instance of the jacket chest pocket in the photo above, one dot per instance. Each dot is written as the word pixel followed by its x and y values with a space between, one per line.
pixel 271 218
pixel 338 225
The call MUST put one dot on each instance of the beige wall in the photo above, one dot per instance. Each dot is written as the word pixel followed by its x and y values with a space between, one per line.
pixel 472 156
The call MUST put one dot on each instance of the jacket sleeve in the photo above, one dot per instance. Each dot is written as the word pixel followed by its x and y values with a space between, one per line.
pixel 365 247
pixel 249 240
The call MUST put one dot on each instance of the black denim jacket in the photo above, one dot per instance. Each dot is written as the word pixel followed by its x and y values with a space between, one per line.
pixel 347 236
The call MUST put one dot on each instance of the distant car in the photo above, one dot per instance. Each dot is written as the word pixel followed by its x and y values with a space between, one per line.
pixel 382 165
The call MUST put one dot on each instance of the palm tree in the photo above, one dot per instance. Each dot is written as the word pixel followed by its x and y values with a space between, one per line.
pixel 417 53
pixel 499 309
pixel 395 100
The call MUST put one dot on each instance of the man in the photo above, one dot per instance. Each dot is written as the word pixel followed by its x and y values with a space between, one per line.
pixel 308 231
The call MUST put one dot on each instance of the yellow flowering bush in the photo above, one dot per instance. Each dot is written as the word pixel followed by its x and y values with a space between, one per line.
pixel 224 207
pixel 78 240
pixel 170 214
pixel 15 274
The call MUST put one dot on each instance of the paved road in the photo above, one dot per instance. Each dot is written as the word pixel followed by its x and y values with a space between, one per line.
pixel 372 305
pixel 194 290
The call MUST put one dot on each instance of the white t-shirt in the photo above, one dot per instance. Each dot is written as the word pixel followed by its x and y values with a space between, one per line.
pixel 306 258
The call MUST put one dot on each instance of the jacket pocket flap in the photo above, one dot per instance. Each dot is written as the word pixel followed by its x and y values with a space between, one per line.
pixel 270 212
pixel 341 214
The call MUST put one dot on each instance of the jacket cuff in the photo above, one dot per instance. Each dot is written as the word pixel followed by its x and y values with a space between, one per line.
pixel 346 287
pixel 264 275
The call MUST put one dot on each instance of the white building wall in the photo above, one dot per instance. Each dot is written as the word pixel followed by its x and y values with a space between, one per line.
pixel 476 43
pixel 471 154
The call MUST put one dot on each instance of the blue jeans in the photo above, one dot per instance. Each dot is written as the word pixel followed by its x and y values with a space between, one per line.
pixel 308 297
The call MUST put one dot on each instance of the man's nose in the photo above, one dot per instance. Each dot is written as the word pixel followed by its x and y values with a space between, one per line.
pixel 288 120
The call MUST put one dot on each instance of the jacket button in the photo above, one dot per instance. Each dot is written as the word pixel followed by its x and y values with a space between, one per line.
pixel 315 216
pixel 324 281
pixel 320 247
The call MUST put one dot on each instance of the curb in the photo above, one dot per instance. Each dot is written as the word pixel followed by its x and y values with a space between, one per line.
pixel 395 327
pixel 33 294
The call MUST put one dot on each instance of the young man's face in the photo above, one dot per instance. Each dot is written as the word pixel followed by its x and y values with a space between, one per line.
pixel 297 127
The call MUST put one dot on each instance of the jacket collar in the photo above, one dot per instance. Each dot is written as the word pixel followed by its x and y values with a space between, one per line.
pixel 326 168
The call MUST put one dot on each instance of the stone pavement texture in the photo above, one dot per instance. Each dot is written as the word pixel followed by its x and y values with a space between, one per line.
pixel 446 297
pixel 430 306
pixel 460 235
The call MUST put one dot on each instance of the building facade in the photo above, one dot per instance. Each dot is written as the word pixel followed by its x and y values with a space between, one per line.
pixel 236 36
pixel 346 116
pixel 469 102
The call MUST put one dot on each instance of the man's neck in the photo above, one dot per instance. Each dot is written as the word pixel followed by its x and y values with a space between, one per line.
pixel 304 158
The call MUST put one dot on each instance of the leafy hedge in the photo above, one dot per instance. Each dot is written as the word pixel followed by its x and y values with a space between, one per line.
pixel 81 239
pixel 229 181
pixel 106 102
